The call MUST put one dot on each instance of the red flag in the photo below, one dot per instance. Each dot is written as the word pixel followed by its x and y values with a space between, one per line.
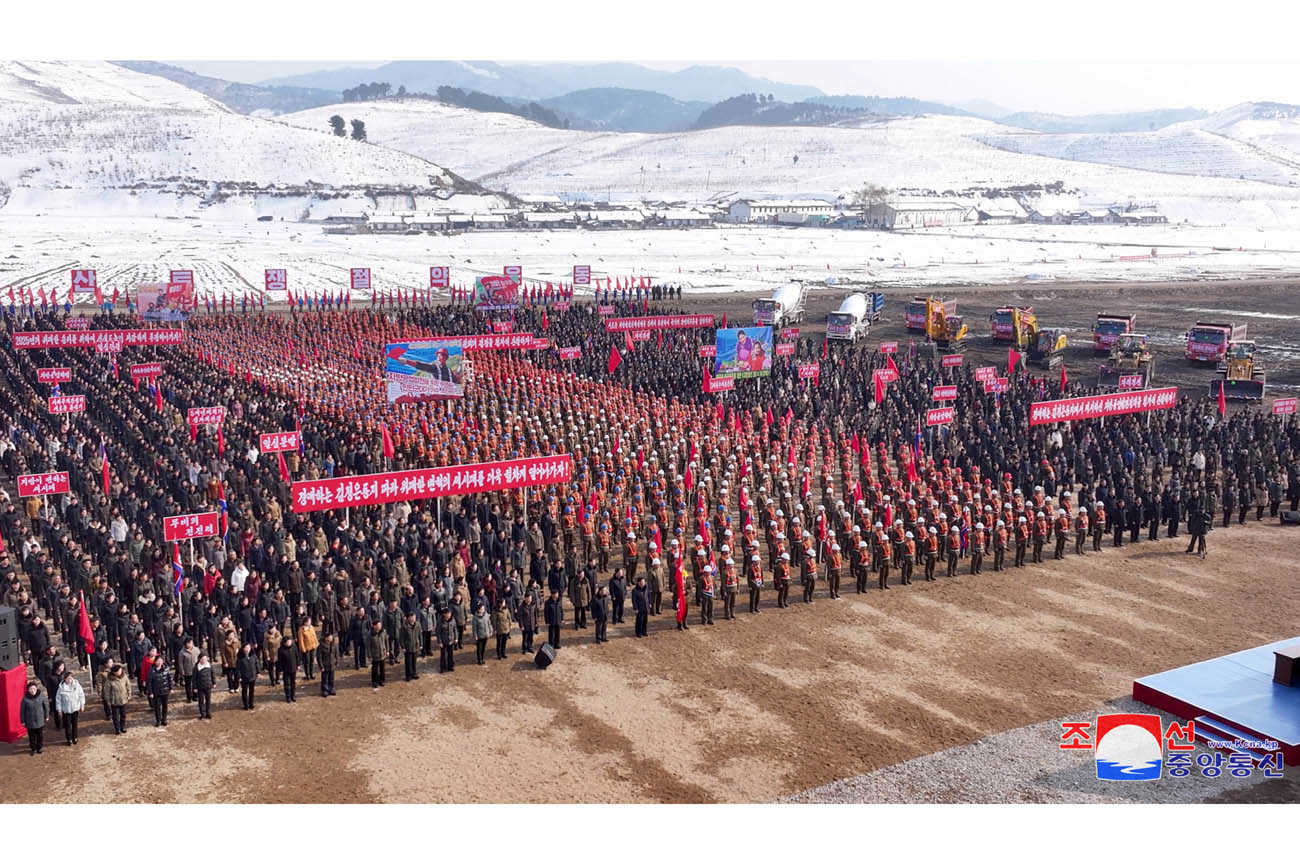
pixel 627 341
pixel 103 453
pixel 825 343
pixel 157 395
pixel 1013 358
pixel 659 339
pixel 284 467
pixel 707 379
pixel 879 387
pixel 546 321
pixel 889 362
pixel 855 445
pixel 1223 398
pixel 614 358
pixel 1064 379
pixel 114 301
pixel 221 441
pixel 645 305
pixel 84 630
pixel 388 439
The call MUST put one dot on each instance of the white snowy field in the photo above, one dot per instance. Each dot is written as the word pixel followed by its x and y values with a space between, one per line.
pixel 1205 177
pixel 229 257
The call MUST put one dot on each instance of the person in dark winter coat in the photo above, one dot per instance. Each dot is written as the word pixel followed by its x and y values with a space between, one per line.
pixel 117 693
pixel 641 607
pixel 160 688
pixel 248 666
pixel 617 595
pixel 204 677
pixel 377 646
pixel 554 614
pixel 527 622
pixel 328 656
pixel 287 662
pixel 410 638
pixel 501 626
pixel 447 636
pixel 33 712
pixel 600 614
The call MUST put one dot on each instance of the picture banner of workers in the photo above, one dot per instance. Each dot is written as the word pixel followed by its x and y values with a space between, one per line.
pixel 1080 408
pixel 166 302
pixel 744 353
pixel 384 487
pixel 493 292
pixel 424 370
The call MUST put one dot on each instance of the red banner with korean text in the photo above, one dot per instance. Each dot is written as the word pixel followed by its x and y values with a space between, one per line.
pixel 43 484
pixel 53 375
pixel 809 371
pixel 942 415
pixel 385 487
pixel 1284 406
pixel 944 392
pixel 570 353
pixel 485 342
pixel 94 339
pixel 1080 408
pixel 67 403
pixel 196 415
pixel 952 360
pixel 717 384
pixel 269 443
pixel 662 322
pixel 181 527
pixel 144 371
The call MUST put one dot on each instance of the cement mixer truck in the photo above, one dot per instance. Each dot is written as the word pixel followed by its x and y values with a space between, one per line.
pixel 785 307
pixel 849 322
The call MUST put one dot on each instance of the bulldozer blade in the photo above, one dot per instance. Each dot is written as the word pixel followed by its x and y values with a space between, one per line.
pixel 1239 389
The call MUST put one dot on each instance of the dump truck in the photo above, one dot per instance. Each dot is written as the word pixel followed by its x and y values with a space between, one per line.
pixel 944 327
pixel 784 307
pixel 1109 326
pixel 1242 377
pixel 1015 325
pixel 851 320
pixel 916 313
pixel 1047 350
pixel 1130 365
pixel 1209 341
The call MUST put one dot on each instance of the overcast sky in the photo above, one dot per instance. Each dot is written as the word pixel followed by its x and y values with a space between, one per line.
pixel 1066 87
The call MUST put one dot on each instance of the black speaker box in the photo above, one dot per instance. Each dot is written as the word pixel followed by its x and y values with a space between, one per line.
pixel 545 656
pixel 8 625
pixel 1291 517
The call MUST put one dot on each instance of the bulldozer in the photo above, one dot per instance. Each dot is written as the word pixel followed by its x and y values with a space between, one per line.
pixel 1243 378
pixel 1047 350
pixel 1130 365
pixel 945 331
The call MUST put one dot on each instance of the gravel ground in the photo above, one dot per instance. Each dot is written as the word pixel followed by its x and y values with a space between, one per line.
pixel 1026 765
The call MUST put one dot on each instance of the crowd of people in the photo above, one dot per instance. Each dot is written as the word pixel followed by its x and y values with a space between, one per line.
pixel 677 499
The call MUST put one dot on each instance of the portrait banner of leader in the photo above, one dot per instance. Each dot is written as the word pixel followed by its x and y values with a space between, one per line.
pixel 424 370
pixel 743 353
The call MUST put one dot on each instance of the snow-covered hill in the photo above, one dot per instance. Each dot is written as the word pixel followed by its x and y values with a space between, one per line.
pixel 1180 172
pixel 101 137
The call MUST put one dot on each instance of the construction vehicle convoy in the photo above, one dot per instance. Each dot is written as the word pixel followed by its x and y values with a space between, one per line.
pixel 916 312
pixel 785 307
pixel 944 327
pixel 1130 365
pixel 1242 377
pixel 1108 327
pixel 854 316
pixel 1209 341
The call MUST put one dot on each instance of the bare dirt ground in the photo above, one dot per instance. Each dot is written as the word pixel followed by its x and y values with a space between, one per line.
pixel 770 705
pixel 752 710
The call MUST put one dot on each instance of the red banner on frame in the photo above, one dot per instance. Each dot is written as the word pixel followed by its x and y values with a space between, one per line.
pixel 1080 408
pixel 43 484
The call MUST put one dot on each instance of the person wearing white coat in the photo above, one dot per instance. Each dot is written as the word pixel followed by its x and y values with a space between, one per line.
pixel 70 700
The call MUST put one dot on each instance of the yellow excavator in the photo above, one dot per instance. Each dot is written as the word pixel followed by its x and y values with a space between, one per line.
pixel 1243 376
pixel 945 331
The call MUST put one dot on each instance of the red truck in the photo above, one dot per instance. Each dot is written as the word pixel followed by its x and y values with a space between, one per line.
pixel 1208 341
pixel 1108 328
pixel 914 311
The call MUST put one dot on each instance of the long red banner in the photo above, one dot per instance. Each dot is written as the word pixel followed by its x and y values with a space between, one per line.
pixel 660 322
pixel 384 487
pixel 481 342
pixel 941 415
pixel 144 371
pixel 269 443
pixel 45 483
pixel 93 339
pixel 1079 408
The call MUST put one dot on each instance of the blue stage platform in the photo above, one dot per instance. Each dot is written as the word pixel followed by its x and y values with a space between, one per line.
pixel 1230 696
